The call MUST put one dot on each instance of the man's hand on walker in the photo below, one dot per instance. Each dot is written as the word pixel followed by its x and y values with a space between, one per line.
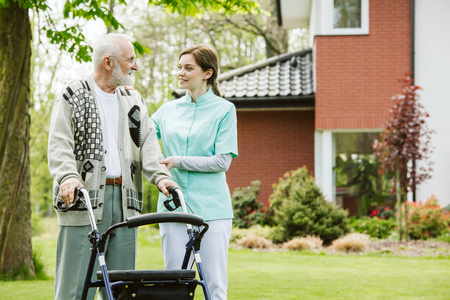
pixel 164 183
pixel 67 189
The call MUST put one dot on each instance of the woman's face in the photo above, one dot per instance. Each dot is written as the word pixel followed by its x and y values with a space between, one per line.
pixel 190 74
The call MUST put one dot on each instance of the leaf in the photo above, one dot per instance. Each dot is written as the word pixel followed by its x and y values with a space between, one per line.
pixel 141 49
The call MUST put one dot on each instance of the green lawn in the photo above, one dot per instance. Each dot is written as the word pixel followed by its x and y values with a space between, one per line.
pixel 284 275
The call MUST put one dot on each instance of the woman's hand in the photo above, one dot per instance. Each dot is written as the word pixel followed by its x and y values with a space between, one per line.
pixel 168 162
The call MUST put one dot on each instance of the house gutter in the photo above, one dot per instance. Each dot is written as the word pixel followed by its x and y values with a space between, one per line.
pixel 413 26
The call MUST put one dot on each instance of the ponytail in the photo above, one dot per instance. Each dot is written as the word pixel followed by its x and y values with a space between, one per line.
pixel 215 88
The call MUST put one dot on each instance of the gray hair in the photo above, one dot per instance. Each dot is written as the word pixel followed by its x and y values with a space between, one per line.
pixel 107 45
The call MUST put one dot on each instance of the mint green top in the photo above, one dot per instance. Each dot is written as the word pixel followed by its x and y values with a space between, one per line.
pixel 204 128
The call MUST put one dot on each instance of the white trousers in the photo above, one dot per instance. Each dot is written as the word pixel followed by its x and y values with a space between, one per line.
pixel 213 252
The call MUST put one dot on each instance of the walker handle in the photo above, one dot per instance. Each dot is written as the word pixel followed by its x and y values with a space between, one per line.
pixel 62 207
pixel 164 217
pixel 175 198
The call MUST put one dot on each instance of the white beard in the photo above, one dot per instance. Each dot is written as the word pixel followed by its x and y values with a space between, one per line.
pixel 120 79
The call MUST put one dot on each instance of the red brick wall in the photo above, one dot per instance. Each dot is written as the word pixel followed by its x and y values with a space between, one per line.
pixel 270 144
pixel 357 75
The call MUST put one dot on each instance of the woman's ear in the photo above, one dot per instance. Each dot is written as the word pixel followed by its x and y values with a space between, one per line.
pixel 208 74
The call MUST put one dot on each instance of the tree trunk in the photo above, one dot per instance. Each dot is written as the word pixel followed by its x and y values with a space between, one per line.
pixel 16 255
pixel 277 38
pixel 406 220
pixel 399 203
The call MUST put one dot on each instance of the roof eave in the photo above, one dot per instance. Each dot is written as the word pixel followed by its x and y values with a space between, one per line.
pixel 277 102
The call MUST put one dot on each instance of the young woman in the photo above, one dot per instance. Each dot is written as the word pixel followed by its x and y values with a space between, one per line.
pixel 199 138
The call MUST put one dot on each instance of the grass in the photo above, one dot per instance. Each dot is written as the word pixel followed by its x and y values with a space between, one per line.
pixel 282 274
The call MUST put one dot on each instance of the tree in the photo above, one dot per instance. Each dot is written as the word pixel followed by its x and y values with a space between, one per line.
pixel 275 37
pixel 15 53
pixel 405 140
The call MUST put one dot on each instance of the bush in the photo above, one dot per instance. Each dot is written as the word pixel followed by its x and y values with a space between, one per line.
pixel 383 213
pixel 444 237
pixel 256 230
pixel 309 243
pixel 353 242
pixel 247 210
pixel 254 242
pixel 427 220
pixel 374 227
pixel 300 209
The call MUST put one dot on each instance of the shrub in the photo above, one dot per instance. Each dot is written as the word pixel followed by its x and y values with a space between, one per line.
pixel 256 230
pixel 309 242
pixel 427 220
pixel 353 242
pixel 247 210
pixel 444 237
pixel 300 209
pixel 374 227
pixel 383 213
pixel 254 242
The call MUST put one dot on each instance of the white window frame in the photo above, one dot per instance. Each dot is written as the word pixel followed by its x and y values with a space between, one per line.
pixel 328 24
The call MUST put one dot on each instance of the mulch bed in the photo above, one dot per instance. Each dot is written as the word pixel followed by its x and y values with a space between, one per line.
pixel 410 248
pixel 384 247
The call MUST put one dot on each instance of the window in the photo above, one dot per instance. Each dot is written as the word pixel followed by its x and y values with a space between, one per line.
pixel 359 187
pixel 345 17
pixel 347 14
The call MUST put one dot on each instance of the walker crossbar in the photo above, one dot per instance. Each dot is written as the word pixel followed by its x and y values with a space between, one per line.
pixel 165 217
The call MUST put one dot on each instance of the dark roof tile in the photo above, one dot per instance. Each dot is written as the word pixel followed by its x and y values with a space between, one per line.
pixel 284 81
pixel 284 75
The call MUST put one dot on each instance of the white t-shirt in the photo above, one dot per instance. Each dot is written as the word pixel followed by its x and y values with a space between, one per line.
pixel 108 107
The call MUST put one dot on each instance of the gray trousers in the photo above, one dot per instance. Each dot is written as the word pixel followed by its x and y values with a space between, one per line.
pixel 73 250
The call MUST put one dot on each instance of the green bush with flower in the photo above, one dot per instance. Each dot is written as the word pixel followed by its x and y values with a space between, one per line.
pixel 247 210
pixel 427 220
pixel 376 227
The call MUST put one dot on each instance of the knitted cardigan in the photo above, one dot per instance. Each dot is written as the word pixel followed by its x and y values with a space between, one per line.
pixel 75 149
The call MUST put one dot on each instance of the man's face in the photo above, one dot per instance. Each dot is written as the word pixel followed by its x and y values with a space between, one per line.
pixel 125 65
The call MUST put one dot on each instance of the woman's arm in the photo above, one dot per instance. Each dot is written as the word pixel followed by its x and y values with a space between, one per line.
pixel 215 163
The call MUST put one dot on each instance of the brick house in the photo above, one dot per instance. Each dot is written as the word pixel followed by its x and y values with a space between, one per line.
pixel 340 90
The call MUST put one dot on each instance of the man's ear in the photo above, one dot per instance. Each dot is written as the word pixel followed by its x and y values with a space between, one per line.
pixel 208 74
pixel 108 63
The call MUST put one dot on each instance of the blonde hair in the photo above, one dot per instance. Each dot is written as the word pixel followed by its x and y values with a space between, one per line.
pixel 207 58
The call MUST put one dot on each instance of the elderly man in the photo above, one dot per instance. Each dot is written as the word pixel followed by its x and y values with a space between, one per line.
pixel 101 138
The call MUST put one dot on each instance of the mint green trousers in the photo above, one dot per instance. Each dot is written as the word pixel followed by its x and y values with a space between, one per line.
pixel 73 250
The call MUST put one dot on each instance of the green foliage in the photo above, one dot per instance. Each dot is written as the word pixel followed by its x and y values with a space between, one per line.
pixel 151 194
pixel 383 213
pixel 255 230
pixel 36 228
pixel 247 210
pixel 39 267
pixel 198 7
pixel 444 237
pixel 376 228
pixel 24 272
pixel 361 173
pixel 427 220
pixel 300 209
pixel 38 4
pixel 71 39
